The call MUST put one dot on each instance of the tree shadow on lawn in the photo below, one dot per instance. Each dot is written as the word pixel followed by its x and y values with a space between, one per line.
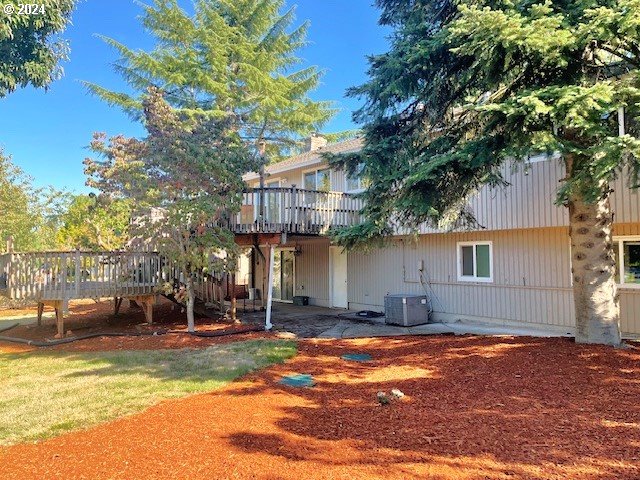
pixel 215 362
pixel 531 407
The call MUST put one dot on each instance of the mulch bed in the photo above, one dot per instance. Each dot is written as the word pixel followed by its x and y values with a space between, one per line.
pixel 87 317
pixel 475 407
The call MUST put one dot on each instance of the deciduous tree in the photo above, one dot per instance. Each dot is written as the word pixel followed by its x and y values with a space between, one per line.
pixel 91 222
pixel 30 215
pixel 30 51
pixel 184 179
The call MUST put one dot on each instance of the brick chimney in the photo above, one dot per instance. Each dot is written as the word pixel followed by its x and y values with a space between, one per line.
pixel 315 142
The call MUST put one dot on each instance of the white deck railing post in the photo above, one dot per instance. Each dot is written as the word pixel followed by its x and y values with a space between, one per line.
pixel 77 273
pixel 9 269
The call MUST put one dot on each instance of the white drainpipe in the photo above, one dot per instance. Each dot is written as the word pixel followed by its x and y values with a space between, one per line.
pixel 272 253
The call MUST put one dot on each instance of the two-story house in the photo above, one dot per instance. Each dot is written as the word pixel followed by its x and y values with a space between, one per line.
pixel 514 271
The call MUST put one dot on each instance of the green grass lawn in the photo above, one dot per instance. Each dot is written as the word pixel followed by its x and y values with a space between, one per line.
pixel 43 394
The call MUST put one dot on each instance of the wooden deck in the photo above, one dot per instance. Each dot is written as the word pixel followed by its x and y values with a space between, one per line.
pixel 74 275
pixel 54 278
pixel 295 211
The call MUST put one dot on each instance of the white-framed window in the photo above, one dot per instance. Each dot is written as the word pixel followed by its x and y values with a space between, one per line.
pixel 627 253
pixel 475 261
pixel 317 180
pixel 355 183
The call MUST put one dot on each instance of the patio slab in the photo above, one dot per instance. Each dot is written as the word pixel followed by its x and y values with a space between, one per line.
pixel 321 322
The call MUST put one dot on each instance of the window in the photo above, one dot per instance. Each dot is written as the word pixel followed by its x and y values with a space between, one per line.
pixel 355 183
pixel 475 262
pixel 627 252
pixel 318 180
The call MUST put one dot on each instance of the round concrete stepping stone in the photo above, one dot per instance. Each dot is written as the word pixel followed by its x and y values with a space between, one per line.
pixel 357 357
pixel 298 381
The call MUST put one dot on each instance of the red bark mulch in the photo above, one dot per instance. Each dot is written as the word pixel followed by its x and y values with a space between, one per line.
pixel 88 317
pixel 476 407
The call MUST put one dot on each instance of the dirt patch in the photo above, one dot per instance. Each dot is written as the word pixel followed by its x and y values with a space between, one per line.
pixel 89 317
pixel 475 407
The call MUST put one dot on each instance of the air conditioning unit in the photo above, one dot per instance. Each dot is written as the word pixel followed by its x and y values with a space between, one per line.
pixel 406 310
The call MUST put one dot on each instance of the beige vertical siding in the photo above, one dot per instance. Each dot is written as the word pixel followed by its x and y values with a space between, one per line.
pixel 530 246
pixel 630 311
pixel 532 281
pixel 312 270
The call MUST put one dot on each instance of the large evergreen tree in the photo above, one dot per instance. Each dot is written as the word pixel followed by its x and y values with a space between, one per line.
pixel 232 60
pixel 470 85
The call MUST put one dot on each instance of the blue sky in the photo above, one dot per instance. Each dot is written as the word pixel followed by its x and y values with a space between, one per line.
pixel 46 133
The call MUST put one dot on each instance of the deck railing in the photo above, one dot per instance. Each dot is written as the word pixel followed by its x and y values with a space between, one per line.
pixel 295 210
pixel 76 274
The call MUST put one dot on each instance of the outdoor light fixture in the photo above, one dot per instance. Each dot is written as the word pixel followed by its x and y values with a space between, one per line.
pixel 297 251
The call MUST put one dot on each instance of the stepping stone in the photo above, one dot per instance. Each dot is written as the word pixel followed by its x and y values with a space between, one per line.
pixel 357 357
pixel 298 381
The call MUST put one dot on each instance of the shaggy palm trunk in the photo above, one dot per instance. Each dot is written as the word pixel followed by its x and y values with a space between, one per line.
pixel 593 269
pixel 191 301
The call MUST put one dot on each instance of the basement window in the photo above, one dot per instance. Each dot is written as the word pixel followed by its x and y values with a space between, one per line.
pixel 627 252
pixel 475 262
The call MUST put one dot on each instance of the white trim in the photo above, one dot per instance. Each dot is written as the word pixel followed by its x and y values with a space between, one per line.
pixel 474 278
pixel 620 239
pixel 543 157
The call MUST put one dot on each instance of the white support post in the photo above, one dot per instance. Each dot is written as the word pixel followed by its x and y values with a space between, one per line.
pixel 272 254
pixel 621 125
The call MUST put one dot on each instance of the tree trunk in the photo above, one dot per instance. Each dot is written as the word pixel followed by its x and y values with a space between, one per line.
pixel 191 301
pixel 593 265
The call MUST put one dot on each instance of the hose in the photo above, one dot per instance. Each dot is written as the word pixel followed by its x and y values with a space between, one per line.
pixel 62 341
pixel 4 329
pixel 256 328
pixel 51 343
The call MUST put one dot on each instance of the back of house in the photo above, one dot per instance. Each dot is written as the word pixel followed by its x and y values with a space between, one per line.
pixel 513 270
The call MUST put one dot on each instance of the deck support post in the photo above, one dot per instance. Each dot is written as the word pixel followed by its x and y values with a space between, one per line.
pixel 146 302
pixel 117 303
pixel 40 311
pixel 272 254
pixel 232 297
pixel 59 307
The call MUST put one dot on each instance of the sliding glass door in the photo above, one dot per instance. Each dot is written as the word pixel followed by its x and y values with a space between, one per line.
pixel 283 276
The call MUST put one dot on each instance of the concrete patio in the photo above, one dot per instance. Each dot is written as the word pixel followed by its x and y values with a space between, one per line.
pixel 320 322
